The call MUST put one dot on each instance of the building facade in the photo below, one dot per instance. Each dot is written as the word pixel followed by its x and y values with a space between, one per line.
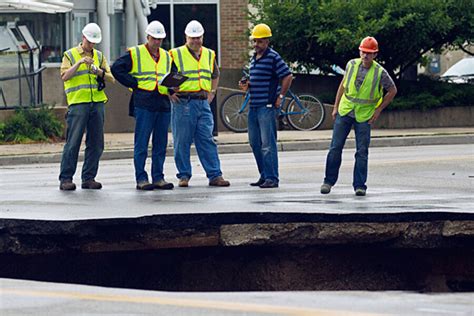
pixel 123 23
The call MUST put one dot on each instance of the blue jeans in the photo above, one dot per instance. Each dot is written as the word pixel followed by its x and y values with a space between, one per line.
pixel 262 127
pixel 83 117
pixel 342 127
pixel 192 121
pixel 146 123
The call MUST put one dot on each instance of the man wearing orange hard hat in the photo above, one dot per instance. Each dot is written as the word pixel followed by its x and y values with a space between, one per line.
pixel 359 101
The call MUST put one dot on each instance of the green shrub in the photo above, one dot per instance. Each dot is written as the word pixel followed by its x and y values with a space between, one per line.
pixel 426 93
pixel 2 128
pixel 31 125
pixel 422 95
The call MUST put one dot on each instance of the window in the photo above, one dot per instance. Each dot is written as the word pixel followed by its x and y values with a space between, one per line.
pixel 117 40
pixel 47 30
pixel 176 16
pixel 79 20
pixel 162 14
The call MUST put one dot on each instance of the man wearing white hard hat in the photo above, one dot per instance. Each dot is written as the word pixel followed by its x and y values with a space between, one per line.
pixel 191 116
pixel 83 71
pixel 141 70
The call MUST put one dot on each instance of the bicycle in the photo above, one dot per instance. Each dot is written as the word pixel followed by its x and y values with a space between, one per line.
pixel 303 112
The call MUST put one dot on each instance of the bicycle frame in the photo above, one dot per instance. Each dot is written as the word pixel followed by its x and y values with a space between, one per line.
pixel 289 95
pixel 303 112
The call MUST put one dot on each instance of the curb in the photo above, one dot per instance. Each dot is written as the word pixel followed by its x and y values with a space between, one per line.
pixel 323 144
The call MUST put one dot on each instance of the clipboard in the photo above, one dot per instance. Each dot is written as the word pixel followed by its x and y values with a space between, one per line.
pixel 172 79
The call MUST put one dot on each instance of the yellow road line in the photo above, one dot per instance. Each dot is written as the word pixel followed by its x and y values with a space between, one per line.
pixel 189 303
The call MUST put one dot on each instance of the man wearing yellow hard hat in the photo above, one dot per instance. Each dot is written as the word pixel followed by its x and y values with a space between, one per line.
pixel 359 102
pixel 270 78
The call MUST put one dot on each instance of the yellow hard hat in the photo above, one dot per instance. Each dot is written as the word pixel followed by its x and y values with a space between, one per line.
pixel 261 31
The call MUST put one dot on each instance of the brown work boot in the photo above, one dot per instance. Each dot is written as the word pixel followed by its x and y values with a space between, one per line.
pixel 163 185
pixel 145 186
pixel 67 185
pixel 219 182
pixel 91 184
pixel 183 182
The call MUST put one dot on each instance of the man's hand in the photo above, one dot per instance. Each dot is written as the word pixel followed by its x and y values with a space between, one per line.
pixel 278 102
pixel 244 86
pixel 210 97
pixel 376 115
pixel 334 113
pixel 174 98
pixel 87 60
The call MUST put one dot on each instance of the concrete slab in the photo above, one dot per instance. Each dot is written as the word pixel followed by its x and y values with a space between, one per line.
pixel 31 192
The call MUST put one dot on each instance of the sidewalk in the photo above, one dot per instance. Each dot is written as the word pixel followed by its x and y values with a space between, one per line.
pixel 120 145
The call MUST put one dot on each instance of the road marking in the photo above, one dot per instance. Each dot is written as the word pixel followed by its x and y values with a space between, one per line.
pixel 189 303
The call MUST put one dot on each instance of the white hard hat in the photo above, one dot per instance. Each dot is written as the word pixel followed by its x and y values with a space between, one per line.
pixel 194 29
pixel 92 33
pixel 156 29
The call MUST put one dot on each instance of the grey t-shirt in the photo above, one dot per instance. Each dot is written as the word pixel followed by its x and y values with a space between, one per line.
pixel 385 81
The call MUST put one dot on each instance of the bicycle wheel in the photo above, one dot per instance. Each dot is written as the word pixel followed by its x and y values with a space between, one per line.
pixel 307 115
pixel 232 114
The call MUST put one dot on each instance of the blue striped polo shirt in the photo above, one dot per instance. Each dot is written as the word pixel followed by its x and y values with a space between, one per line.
pixel 265 75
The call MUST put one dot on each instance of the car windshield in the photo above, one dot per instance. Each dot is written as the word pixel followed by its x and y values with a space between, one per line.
pixel 464 67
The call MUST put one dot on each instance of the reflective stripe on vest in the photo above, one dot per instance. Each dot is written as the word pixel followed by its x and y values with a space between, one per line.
pixel 82 86
pixel 146 70
pixel 365 99
pixel 198 72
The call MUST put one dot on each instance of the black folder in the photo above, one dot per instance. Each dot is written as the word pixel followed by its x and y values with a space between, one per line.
pixel 172 79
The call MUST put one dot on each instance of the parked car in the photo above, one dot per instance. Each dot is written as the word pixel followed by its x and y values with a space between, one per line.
pixel 460 72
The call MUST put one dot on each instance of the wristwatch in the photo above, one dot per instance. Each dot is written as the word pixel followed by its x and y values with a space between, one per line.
pixel 281 96
pixel 213 91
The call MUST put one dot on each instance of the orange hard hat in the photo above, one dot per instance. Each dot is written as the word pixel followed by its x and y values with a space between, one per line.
pixel 369 45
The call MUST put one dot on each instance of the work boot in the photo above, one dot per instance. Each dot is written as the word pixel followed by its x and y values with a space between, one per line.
pixel 219 182
pixel 269 184
pixel 258 183
pixel 360 191
pixel 163 185
pixel 67 185
pixel 145 186
pixel 326 188
pixel 183 182
pixel 91 184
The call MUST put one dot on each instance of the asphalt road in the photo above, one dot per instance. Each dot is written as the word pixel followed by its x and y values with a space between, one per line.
pixel 40 298
pixel 401 179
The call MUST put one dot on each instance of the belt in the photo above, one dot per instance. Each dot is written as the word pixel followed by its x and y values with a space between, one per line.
pixel 193 97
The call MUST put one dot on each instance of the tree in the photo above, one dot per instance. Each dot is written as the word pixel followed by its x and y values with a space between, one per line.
pixel 321 33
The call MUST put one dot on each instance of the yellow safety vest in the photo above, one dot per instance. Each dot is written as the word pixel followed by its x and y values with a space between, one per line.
pixel 82 86
pixel 365 99
pixel 198 71
pixel 147 71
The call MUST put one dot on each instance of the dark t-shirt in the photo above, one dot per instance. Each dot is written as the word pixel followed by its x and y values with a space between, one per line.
pixel 150 100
